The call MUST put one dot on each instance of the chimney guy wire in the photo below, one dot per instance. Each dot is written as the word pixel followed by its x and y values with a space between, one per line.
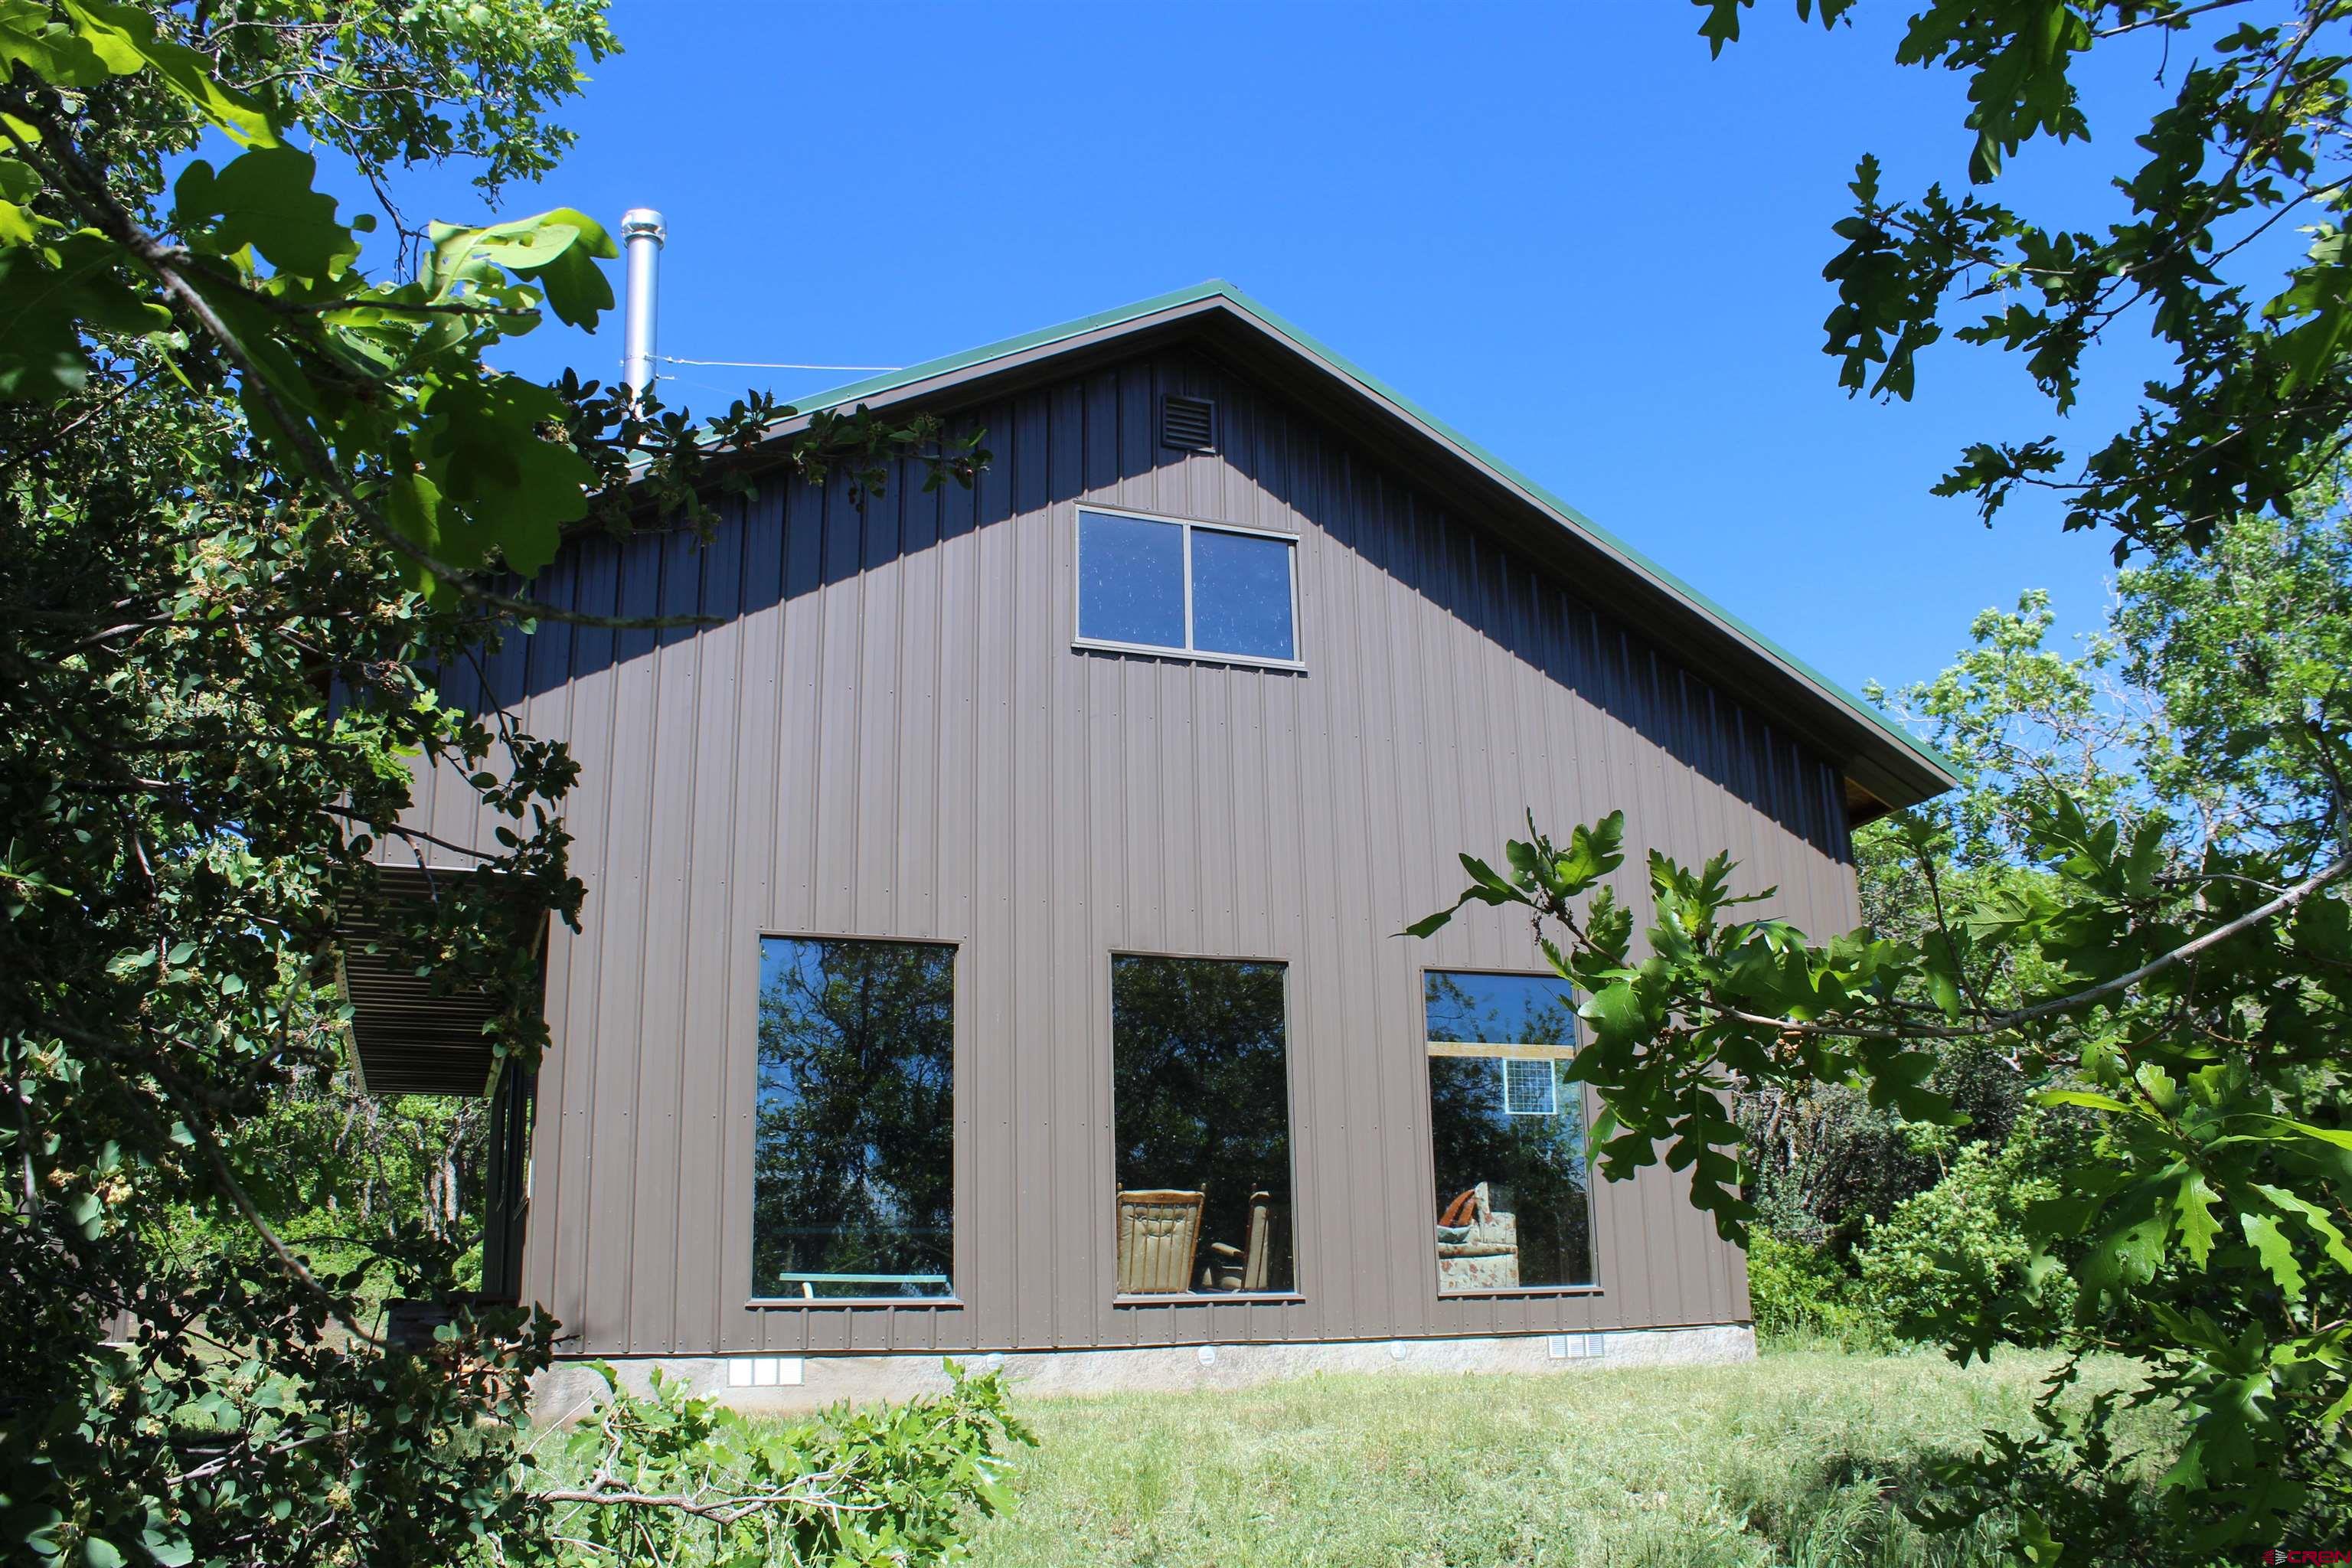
pixel 767 365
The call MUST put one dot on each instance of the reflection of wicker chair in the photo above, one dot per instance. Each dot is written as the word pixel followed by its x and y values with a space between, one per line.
pixel 1244 1267
pixel 1477 1249
pixel 1157 1234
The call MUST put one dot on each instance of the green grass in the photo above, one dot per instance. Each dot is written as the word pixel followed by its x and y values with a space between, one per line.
pixel 1794 1459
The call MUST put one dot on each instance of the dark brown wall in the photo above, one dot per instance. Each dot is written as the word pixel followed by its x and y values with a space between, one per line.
pixel 889 735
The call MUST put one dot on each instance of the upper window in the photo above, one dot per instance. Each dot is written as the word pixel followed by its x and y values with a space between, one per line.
pixel 1199 588
pixel 1200 1113
pixel 1513 1204
pixel 853 1176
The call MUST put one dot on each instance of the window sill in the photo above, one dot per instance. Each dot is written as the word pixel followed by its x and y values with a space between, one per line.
pixel 1520 1291
pixel 1187 656
pixel 804 1303
pixel 1207 1298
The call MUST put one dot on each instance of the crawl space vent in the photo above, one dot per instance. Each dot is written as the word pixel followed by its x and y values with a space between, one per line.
pixel 1188 423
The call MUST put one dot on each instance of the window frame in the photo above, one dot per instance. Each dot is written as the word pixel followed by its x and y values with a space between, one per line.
pixel 1595 1287
pixel 1078 639
pixel 1108 1235
pixel 954 1300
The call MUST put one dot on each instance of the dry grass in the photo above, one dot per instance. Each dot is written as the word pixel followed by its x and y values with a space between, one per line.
pixel 1794 1459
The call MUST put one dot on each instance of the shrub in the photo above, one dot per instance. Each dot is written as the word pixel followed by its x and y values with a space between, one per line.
pixel 1941 1256
pixel 1800 1292
pixel 674 1478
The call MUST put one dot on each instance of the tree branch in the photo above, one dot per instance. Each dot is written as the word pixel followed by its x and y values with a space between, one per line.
pixel 397 830
pixel 2001 1022
pixel 720 1509
pixel 2173 19
pixel 88 192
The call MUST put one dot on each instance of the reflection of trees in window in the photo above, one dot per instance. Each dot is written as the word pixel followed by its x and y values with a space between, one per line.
pixel 1534 1165
pixel 1200 1091
pixel 1529 1009
pixel 853 1171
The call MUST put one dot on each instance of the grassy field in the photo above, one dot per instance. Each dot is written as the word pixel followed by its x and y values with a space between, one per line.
pixel 1792 1459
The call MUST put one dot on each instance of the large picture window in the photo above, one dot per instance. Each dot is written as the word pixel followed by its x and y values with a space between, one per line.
pixel 1513 1204
pixel 1201 1110
pixel 853 1174
pixel 1167 586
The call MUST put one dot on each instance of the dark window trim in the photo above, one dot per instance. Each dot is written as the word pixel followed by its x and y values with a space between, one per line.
pixel 1597 1286
pixel 955 945
pixel 1108 1233
pixel 1161 650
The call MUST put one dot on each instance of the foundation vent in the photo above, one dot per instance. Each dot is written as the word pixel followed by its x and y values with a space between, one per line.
pixel 764 1371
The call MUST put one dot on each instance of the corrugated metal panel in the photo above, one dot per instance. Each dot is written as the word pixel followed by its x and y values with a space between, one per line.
pixel 1237 325
pixel 889 735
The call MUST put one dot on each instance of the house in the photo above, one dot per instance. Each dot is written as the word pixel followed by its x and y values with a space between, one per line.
pixel 991 941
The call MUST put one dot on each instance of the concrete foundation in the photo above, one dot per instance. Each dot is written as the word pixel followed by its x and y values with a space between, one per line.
pixel 786 1384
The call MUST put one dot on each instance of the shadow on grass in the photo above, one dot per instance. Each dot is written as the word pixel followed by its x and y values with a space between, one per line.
pixel 1854 1512
pixel 1849 1511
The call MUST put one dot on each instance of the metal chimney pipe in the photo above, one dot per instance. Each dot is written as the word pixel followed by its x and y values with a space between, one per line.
pixel 642 234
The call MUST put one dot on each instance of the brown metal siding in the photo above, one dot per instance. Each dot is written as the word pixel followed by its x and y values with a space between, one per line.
pixel 889 734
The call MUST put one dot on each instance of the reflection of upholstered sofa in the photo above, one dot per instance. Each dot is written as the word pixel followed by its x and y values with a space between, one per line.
pixel 1477 1249
pixel 1157 1234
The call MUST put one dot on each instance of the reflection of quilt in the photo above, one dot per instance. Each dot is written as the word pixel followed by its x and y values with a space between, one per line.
pixel 1482 1252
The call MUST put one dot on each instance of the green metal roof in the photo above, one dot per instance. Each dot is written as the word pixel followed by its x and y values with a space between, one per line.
pixel 1567 515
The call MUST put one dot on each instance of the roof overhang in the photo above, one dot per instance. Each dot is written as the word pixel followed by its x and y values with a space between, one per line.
pixel 406 1037
pixel 1884 767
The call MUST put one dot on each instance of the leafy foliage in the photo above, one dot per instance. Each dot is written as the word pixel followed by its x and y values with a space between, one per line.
pixel 2259 396
pixel 1536 1165
pixel 2235 647
pixel 884 1486
pixel 2192 710
pixel 2192 1011
pixel 374 392
pixel 253 499
pixel 1797 1291
pixel 1823 1163
pixel 1964 1240
pixel 2145 921
pixel 2169 987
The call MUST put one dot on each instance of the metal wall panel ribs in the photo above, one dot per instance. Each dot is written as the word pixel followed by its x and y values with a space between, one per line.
pixel 888 734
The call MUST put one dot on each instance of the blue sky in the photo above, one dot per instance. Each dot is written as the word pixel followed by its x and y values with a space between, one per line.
pixel 1562 228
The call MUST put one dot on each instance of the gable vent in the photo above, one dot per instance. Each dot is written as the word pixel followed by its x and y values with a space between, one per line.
pixel 1188 423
